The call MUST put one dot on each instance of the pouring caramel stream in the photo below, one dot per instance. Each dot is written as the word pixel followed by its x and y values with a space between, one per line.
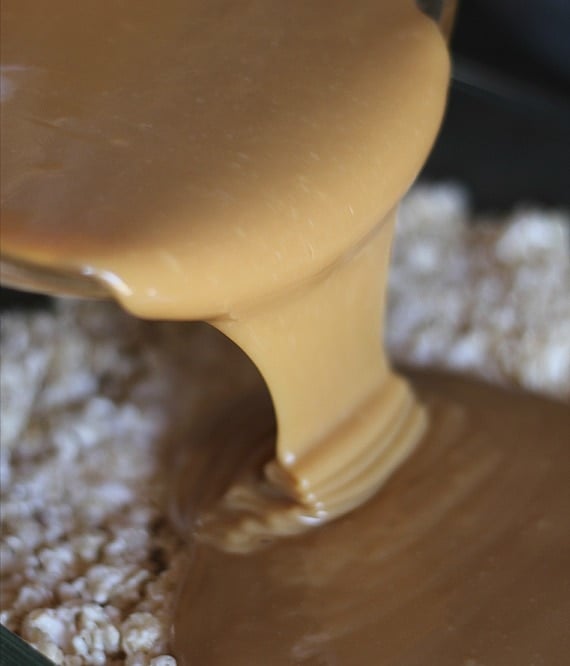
pixel 238 164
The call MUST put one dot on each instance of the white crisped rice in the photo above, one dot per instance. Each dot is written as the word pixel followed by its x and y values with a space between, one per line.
pixel 140 632
pixel 488 297
pixel 90 398
pixel 165 660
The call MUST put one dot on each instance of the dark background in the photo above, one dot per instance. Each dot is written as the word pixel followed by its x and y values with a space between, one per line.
pixel 506 134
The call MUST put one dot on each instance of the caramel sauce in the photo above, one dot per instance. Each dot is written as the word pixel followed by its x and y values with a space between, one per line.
pixel 461 559
pixel 241 163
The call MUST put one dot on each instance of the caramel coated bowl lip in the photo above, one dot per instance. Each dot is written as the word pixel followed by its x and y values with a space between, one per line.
pixel 38 279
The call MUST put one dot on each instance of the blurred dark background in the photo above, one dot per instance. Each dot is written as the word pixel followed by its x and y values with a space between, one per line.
pixel 506 134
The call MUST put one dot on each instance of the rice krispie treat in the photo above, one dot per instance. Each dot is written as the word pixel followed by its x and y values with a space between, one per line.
pixel 92 400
